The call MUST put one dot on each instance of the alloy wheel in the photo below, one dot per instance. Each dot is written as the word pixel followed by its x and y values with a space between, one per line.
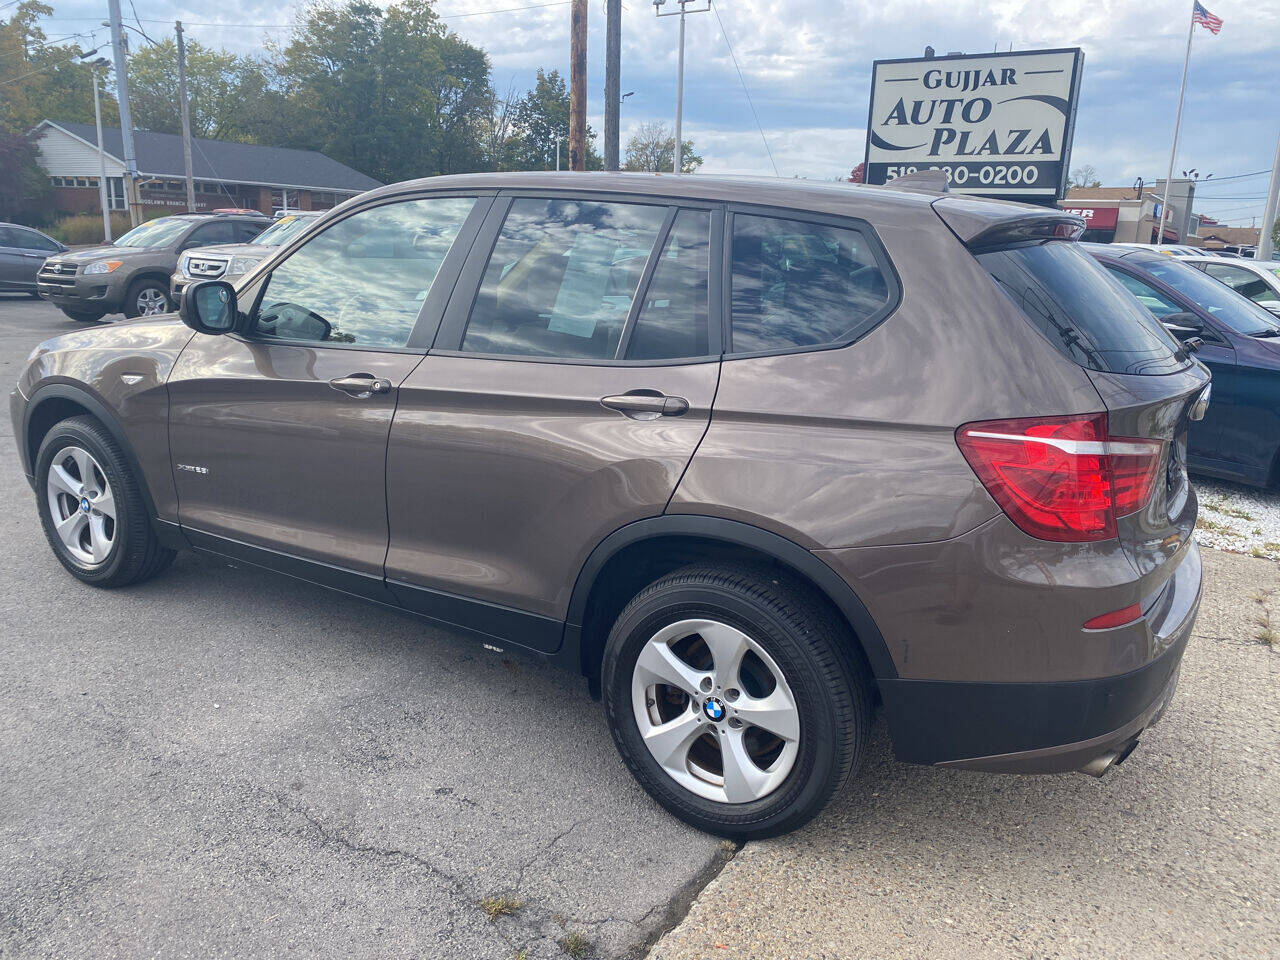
pixel 82 505
pixel 715 711
pixel 152 301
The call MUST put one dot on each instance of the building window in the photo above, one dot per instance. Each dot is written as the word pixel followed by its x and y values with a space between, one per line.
pixel 115 193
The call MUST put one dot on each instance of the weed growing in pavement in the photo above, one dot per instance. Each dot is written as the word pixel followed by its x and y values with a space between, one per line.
pixel 1213 526
pixel 1265 633
pixel 521 954
pixel 495 907
pixel 576 945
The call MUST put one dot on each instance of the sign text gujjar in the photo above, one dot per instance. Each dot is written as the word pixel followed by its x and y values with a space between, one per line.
pixel 999 124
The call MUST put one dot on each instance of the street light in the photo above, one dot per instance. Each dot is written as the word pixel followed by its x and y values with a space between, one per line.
pixel 623 98
pixel 94 65
pixel 657 9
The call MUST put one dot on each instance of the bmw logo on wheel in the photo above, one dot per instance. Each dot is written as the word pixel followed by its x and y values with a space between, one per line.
pixel 713 709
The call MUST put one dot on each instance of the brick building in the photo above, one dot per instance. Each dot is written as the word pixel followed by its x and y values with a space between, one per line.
pixel 226 174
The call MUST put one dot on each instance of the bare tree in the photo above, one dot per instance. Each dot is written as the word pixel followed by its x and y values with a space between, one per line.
pixel 1085 176
pixel 499 126
pixel 652 148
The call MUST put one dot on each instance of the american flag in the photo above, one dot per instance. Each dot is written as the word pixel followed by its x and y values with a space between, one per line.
pixel 1206 19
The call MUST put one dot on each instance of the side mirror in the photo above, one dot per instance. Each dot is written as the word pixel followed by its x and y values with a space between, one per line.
pixel 1183 325
pixel 209 306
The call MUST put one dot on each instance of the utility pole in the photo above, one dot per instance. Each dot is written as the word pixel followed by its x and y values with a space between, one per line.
pixel 1265 247
pixel 657 8
pixel 578 86
pixel 126 120
pixel 186 117
pixel 612 80
pixel 102 164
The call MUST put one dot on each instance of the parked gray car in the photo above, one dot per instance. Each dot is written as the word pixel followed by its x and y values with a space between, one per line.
pixel 131 275
pixel 22 250
pixel 755 457
pixel 233 260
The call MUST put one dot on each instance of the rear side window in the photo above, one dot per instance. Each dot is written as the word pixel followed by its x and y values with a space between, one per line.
pixel 798 284
pixel 562 277
pixel 1089 317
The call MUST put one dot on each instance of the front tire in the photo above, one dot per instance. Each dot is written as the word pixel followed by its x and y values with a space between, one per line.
pixel 147 298
pixel 734 697
pixel 92 508
pixel 82 317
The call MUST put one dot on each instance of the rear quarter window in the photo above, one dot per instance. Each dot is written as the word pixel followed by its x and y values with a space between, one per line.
pixel 1085 314
pixel 801 285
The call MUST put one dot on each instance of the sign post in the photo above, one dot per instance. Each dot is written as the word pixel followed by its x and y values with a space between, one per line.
pixel 998 124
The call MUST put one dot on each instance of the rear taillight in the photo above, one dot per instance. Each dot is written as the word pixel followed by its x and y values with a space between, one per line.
pixel 1061 478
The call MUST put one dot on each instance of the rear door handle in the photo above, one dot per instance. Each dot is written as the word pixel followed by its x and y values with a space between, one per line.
pixel 646 406
pixel 361 385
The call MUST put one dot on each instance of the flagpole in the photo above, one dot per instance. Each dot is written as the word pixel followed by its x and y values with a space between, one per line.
pixel 1168 181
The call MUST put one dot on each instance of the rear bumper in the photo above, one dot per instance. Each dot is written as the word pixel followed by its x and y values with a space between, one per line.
pixel 1045 727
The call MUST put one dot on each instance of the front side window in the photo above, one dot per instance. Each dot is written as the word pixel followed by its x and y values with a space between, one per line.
pixel 1224 305
pixel 561 278
pixel 223 231
pixel 362 281
pixel 798 284
pixel 30 240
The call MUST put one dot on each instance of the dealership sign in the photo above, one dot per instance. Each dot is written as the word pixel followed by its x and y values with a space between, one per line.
pixel 999 124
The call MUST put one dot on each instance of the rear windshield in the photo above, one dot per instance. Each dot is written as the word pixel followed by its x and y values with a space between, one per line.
pixel 1089 317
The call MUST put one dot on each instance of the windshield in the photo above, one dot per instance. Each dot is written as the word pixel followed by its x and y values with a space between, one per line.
pixel 1069 298
pixel 154 233
pixel 282 231
pixel 1222 303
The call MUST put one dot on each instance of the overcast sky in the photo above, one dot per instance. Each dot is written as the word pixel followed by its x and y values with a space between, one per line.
pixel 807 66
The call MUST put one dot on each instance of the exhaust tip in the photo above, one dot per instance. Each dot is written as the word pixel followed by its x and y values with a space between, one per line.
pixel 1100 764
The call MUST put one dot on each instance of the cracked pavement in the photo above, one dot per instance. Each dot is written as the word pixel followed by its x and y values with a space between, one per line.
pixel 227 763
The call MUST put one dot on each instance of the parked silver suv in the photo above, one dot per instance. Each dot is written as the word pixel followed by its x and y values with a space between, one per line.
pixel 230 261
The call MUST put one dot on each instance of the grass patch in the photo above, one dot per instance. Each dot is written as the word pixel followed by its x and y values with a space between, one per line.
pixel 495 907
pixel 521 954
pixel 1266 632
pixel 1213 526
pixel 575 945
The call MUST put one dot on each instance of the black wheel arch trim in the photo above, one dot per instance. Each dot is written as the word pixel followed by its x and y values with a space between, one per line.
pixel 785 551
pixel 168 533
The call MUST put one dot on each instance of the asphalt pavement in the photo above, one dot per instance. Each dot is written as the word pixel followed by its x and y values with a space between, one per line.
pixel 227 763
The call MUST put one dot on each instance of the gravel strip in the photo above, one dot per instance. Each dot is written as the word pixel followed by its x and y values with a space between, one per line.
pixel 1239 518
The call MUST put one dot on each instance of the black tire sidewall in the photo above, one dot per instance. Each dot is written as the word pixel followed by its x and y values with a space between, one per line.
pixel 72 433
pixel 82 317
pixel 806 787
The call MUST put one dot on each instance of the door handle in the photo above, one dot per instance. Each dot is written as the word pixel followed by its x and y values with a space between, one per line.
pixel 361 385
pixel 646 406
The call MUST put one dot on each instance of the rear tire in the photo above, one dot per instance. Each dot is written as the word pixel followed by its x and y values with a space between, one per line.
pixel 81 469
pixel 78 317
pixel 147 298
pixel 792 671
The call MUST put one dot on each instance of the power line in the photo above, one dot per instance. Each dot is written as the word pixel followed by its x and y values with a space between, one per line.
pixel 44 44
pixel 733 56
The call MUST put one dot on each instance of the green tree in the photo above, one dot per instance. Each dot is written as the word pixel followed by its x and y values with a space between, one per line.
pixel 39 81
pixel 541 121
pixel 219 87
pixel 652 148
pixel 394 94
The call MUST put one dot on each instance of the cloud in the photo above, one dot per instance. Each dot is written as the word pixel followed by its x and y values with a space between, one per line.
pixel 808 65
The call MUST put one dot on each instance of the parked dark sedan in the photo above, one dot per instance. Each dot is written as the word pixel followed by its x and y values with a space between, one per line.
pixel 1239 438
pixel 22 250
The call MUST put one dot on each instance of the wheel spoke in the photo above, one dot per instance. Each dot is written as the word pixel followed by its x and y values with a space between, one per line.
pixel 99 542
pixel 106 504
pixel 659 663
pixel 63 482
pixel 85 464
pixel 69 530
pixel 775 713
pixel 728 646
pixel 670 742
pixel 743 780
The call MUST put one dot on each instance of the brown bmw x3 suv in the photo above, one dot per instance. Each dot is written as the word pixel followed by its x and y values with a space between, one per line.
pixel 754 457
